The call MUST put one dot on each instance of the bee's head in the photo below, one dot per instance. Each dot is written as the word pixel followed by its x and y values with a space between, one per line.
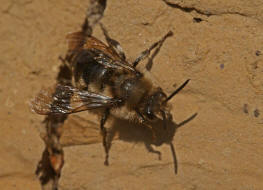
pixel 156 103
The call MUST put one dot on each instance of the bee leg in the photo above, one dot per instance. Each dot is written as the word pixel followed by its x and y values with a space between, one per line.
pixel 104 135
pixel 147 52
pixel 150 149
pixel 164 119
pixel 113 43
pixel 64 60
pixel 141 118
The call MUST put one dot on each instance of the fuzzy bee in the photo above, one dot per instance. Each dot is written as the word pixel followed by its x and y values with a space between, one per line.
pixel 107 84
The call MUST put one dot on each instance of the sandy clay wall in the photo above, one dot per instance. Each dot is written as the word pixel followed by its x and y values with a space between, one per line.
pixel 216 44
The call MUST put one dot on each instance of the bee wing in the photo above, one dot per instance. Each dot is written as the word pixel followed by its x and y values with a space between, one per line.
pixel 103 54
pixel 83 129
pixel 67 100
pixel 78 41
pixel 75 41
pixel 80 129
pixel 108 62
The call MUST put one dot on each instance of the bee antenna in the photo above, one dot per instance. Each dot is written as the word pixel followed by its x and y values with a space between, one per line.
pixel 176 91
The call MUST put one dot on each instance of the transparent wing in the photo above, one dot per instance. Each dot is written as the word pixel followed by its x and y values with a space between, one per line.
pixel 80 129
pixel 67 99
pixel 84 129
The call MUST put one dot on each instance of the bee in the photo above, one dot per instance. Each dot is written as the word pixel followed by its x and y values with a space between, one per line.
pixel 107 84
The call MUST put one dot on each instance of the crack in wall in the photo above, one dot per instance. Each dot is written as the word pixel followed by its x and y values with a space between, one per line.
pixel 202 12
pixel 187 9
pixel 8 8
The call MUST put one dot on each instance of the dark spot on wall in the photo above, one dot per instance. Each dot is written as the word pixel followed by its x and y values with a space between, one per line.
pixel 197 19
pixel 258 53
pixel 256 112
pixel 245 108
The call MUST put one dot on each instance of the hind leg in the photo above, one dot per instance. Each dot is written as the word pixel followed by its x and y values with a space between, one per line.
pixel 147 52
pixel 113 43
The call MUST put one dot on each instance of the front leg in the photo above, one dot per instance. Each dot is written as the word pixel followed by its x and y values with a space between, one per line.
pixel 140 116
pixel 104 134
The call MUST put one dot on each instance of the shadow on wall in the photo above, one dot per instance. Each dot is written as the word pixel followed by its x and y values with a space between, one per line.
pixel 80 131
pixel 153 133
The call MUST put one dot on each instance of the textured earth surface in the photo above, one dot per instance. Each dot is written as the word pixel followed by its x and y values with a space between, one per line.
pixel 217 44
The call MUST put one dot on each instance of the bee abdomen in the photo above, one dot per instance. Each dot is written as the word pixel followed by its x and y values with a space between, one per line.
pixel 86 68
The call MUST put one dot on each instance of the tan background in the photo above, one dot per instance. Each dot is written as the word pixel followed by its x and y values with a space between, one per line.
pixel 223 55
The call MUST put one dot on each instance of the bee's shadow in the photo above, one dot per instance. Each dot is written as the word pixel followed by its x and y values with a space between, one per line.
pixel 152 134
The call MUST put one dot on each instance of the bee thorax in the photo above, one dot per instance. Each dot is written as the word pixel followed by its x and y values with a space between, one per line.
pixel 133 90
